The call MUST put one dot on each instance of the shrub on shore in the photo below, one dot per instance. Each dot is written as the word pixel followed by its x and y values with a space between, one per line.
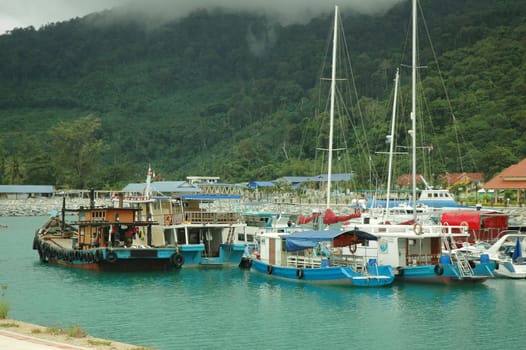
pixel 4 304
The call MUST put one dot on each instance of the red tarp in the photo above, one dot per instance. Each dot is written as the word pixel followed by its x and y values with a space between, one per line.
pixel 331 218
pixel 482 225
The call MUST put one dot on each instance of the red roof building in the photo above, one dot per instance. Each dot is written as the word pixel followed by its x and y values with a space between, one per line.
pixel 511 178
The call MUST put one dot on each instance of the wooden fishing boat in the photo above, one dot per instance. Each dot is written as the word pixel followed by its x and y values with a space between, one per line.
pixel 102 239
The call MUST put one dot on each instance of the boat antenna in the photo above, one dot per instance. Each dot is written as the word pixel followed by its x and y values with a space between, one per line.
pixel 148 188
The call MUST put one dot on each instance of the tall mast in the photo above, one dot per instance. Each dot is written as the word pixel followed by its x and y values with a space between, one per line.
pixel 413 108
pixel 391 142
pixel 331 115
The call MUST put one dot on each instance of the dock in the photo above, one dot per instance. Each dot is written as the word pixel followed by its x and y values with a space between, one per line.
pixel 17 335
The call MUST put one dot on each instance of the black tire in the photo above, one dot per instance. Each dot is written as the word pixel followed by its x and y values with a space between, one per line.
pixel 111 256
pixel 299 273
pixel 269 269
pixel 472 264
pixel 177 260
pixel 439 269
pixel 97 257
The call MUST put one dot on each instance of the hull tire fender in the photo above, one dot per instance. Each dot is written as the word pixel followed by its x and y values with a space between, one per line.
pixel 299 273
pixel 111 256
pixel 439 269
pixel 269 269
pixel 177 260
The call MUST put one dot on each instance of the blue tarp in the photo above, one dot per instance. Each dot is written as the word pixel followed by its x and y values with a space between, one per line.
pixel 310 239
pixel 517 253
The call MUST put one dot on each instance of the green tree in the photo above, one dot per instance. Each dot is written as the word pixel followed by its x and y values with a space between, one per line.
pixel 77 151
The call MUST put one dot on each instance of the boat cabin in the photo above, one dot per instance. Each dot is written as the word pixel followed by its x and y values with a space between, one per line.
pixel 101 227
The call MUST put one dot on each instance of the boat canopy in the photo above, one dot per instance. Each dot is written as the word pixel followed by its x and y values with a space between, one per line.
pixel 310 239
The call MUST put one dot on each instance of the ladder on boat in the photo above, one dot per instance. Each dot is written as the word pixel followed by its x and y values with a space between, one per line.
pixel 230 237
pixel 460 260
pixel 464 268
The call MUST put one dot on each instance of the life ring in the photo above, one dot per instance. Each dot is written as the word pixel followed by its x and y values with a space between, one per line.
pixel 439 269
pixel 111 256
pixel 417 228
pixel 269 269
pixel 353 247
pixel 299 273
pixel 177 260
pixel 465 224
pixel 168 219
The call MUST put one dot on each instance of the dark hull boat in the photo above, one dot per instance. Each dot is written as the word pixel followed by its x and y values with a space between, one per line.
pixel 103 239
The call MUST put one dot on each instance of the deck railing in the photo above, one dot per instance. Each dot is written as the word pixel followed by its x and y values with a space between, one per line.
pixel 201 217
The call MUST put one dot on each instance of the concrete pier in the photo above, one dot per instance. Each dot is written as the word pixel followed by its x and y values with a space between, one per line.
pixel 17 335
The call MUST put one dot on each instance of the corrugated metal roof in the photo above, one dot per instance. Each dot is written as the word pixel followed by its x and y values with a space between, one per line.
pixel 256 184
pixel 163 187
pixel 27 189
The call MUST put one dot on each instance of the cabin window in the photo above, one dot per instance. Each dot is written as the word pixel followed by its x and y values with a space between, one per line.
pixel 169 237
pixel 181 239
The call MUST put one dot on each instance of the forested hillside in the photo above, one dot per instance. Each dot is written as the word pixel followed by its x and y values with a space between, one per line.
pixel 93 101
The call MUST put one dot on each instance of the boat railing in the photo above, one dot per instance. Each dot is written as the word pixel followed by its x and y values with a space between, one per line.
pixel 418 229
pixel 304 261
pixel 422 259
pixel 201 217
pixel 318 261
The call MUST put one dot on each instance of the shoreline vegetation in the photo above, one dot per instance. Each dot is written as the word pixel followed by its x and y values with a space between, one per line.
pixel 72 335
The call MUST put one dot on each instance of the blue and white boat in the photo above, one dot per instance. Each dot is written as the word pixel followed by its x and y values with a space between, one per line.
pixel 508 253
pixel 425 253
pixel 325 257
pixel 201 227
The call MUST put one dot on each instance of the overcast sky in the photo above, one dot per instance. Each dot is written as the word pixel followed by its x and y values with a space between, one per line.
pixel 24 13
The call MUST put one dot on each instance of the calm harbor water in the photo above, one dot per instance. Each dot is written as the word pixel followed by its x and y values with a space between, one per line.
pixel 233 309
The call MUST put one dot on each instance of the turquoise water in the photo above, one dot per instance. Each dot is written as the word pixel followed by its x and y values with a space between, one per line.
pixel 233 309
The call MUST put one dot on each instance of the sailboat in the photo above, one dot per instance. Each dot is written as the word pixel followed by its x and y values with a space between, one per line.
pixel 317 256
pixel 424 252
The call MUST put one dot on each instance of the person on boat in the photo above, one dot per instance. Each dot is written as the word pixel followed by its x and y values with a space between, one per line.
pixel 246 253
